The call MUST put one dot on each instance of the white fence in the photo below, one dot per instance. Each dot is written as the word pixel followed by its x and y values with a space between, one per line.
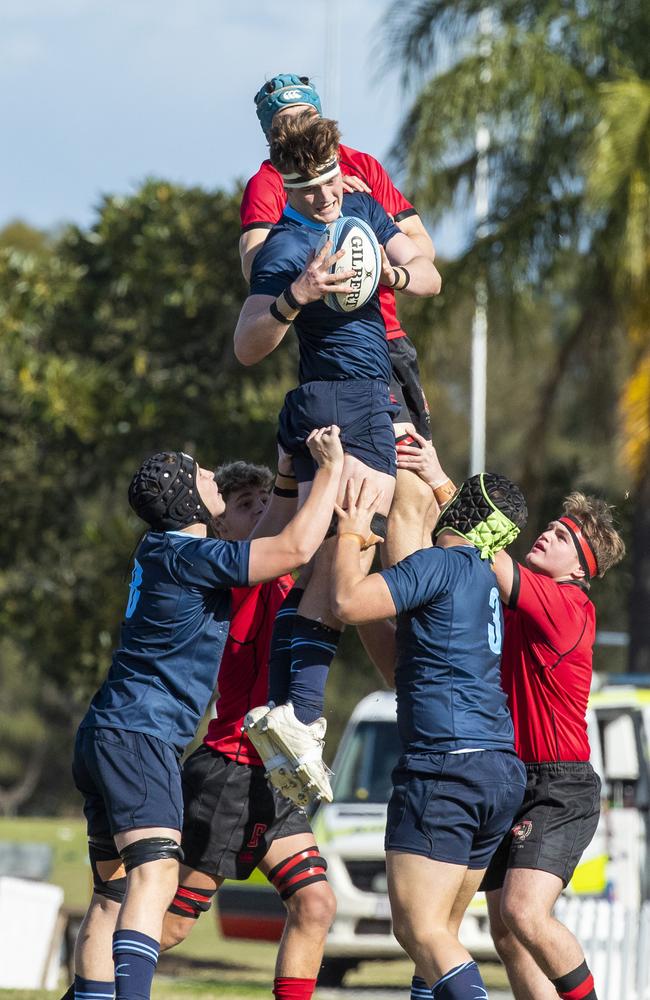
pixel 616 943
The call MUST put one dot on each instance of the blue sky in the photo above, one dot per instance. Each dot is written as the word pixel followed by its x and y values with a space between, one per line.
pixel 100 94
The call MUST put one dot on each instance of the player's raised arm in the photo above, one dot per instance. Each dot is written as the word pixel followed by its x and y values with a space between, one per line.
pixel 283 501
pixel 298 542
pixel 357 598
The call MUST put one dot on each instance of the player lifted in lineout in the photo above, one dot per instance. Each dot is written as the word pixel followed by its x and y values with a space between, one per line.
pixel 344 370
pixel 412 512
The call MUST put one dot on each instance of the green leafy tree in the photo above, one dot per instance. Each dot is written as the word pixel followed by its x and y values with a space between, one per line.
pixel 115 341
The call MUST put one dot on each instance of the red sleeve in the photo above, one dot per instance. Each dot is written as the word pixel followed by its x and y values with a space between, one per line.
pixel 381 186
pixel 263 200
pixel 557 613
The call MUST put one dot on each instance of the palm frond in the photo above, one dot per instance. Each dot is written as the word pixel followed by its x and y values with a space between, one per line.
pixel 617 164
pixel 635 413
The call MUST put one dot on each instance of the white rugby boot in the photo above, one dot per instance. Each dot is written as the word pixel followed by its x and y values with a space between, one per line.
pixel 278 769
pixel 302 746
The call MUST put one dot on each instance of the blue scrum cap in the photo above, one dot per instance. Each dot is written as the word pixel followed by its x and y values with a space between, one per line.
pixel 282 91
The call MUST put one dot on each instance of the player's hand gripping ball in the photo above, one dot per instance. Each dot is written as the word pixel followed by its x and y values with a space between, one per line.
pixel 361 254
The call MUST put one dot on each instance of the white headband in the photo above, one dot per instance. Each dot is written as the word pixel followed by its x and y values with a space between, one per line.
pixel 323 174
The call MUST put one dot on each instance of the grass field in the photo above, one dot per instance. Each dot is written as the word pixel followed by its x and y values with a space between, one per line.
pixel 205 966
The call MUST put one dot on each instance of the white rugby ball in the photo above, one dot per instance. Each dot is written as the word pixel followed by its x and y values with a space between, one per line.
pixel 361 255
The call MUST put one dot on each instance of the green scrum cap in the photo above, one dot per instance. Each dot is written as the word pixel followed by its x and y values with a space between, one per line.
pixel 488 510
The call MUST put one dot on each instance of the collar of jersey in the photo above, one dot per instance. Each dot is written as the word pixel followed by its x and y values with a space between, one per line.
pixel 303 220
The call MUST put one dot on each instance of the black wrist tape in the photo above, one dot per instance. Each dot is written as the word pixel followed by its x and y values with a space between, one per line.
pixel 291 298
pixel 287 494
pixel 276 314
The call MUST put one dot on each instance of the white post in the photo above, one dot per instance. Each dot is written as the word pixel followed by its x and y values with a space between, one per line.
pixel 479 324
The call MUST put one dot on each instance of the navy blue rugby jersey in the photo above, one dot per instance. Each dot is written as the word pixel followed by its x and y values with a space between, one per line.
pixel 332 345
pixel 165 667
pixel 449 638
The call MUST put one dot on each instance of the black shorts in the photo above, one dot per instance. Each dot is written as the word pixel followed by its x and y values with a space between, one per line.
pixel 360 407
pixel 406 388
pixel 232 815
pixel 554 825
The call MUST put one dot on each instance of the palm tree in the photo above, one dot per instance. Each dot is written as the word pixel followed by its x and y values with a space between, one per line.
pixel 618 191
pixel 564 90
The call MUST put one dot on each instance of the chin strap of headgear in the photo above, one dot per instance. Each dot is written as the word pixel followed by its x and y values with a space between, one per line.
pixel 472 514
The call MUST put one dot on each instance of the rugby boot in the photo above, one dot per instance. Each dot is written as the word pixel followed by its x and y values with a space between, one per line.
pixel 302 745
pixel 279 771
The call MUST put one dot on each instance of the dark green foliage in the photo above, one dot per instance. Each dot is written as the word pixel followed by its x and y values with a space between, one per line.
pixel 115 342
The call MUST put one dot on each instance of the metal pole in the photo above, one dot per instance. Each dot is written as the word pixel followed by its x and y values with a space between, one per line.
pixel 479 323
pixel 332 106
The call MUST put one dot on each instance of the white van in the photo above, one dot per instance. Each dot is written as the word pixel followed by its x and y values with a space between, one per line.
pixel 350 832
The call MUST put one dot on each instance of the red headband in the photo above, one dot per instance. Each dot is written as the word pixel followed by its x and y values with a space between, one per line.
pixel 585 552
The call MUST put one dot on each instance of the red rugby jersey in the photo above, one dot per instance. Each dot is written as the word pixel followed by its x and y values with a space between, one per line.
pixel 264 200
pixel 546 667
pixel 244 672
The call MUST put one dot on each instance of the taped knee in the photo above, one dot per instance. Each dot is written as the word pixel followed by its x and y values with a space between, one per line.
pixel 104 849
pixel 191 903
pixel 297 871
pixel 150 849
pixel 379 524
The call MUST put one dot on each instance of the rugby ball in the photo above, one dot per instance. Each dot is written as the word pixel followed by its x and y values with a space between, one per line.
pixel 361 255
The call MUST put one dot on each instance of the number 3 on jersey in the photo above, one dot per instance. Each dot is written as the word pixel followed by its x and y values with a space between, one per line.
pixel 495 633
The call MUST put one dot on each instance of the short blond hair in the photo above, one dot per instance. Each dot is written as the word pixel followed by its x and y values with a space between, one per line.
pixel 303 143
pixel 595 517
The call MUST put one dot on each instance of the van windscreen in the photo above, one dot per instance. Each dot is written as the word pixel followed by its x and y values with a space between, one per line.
pixel 368 758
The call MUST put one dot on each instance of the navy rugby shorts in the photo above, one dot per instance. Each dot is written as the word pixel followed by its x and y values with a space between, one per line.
pixel 360 407
pixel 128 780
pixel 454 807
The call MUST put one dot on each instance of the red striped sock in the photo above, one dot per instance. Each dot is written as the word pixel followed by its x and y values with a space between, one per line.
pixel 288 988
pixel 576 985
